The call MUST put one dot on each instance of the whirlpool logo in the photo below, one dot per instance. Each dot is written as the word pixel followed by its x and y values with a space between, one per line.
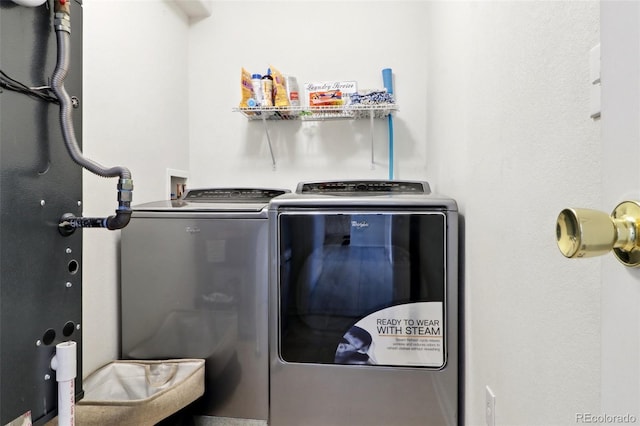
pixel 359 224
pixel 192 229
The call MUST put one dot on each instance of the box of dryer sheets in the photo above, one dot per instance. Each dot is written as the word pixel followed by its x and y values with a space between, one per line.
pixel 329 93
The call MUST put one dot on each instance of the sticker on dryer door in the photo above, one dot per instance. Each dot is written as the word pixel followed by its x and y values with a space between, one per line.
pixel 405 335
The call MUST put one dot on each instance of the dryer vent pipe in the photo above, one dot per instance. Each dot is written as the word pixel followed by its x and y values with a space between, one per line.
pixel 68 223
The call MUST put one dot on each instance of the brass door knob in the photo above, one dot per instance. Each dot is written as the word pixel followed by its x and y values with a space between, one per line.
pixel 587 233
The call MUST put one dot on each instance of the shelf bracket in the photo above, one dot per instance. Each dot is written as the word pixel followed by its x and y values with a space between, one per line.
pixel 266 130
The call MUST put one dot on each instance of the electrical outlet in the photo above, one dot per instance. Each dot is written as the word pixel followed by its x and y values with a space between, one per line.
pixel 490 407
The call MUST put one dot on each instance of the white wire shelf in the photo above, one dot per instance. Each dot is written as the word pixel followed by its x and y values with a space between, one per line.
pixel 318 113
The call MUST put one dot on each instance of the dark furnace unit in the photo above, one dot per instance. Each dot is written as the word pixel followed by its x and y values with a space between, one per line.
pixel 40 269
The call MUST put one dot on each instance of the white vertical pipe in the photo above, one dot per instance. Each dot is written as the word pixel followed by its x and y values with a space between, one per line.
pixel 371 116
pixel 64 363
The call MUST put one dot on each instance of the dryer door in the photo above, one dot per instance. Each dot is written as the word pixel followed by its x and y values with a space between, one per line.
pixel 363 287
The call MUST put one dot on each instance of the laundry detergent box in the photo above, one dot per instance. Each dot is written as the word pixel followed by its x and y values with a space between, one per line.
pixel 329 93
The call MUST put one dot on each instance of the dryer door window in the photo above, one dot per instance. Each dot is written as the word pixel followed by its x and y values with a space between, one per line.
pixel 361 287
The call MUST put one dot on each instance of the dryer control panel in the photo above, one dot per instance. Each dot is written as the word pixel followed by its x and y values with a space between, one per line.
pixel 367 187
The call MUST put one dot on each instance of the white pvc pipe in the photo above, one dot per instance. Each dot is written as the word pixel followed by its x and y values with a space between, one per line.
pixel 64 363
pixel 29 3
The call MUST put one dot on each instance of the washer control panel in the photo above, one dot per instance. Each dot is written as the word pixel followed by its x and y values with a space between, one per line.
pixel 232 194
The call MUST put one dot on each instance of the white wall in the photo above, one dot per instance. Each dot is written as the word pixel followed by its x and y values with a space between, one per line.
pixel 493 111
pixel 510 137
pixel 136 115
pixel 314 41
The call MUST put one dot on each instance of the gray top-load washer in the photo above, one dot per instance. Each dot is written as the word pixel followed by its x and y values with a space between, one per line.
pixel 364 305
pixel 194 285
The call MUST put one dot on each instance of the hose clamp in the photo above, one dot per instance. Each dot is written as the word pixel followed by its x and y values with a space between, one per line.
pixel 62 22
pixel 125 184
pixel 126 196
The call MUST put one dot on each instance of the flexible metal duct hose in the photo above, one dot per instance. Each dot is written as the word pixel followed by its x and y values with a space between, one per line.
pixel 66 106
pixel 62 27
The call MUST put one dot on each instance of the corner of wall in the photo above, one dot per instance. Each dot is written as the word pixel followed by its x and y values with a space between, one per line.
pixel 197 9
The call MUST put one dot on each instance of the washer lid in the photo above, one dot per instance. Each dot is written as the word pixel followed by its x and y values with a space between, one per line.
pixel 364 187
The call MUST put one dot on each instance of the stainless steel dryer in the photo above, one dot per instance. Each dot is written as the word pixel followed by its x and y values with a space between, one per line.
pixel 194 285
pixel 364 305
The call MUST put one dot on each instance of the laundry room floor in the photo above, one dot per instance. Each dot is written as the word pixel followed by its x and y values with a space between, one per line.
pixel 180 419
pixel 226 421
